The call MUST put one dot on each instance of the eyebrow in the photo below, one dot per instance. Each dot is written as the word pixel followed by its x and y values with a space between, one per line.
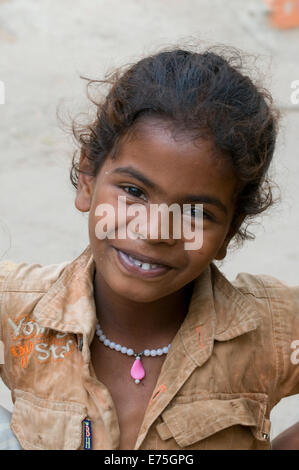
pixel 128 170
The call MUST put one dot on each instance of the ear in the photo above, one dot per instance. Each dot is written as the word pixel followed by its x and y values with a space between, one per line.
pixel 221 254
pixel 85 185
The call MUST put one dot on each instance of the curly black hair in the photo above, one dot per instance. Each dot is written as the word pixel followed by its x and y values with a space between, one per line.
pixel 204 93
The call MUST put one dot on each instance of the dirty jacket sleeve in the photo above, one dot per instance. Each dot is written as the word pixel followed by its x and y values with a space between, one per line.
pixel 284 307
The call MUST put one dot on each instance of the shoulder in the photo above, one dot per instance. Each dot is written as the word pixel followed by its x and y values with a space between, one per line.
pixel 264 286
pixel 281 300
pixel 23 285
pixel 257 284
pixel 263 291
pixel 278 293
pixel 29 277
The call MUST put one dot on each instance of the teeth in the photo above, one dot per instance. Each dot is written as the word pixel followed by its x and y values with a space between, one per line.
pixel 145 266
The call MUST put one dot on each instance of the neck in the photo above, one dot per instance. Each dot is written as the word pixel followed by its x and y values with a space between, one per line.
pixel 127 321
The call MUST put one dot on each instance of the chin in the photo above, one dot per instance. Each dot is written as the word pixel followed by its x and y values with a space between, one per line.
pixel 137 294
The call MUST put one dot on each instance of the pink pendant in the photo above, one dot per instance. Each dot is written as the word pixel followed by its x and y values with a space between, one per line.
pixel 137 370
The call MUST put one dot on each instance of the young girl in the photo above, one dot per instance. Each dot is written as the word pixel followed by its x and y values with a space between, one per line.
pixel 140 343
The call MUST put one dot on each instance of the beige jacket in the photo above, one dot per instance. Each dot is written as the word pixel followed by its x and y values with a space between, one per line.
pixel 235 356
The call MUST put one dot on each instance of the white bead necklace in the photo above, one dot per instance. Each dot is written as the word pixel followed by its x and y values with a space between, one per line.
pixel 137 370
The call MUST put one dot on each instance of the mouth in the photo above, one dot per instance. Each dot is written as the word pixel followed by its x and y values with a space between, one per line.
pixel 141 265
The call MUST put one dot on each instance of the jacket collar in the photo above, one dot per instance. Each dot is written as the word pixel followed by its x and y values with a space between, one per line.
pixel 217 309
pixel 68 305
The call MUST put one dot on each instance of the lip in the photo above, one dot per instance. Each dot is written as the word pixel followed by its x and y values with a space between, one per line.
pixel 134 269
pixel 145 259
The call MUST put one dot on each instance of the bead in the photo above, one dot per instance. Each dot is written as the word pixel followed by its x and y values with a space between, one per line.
pixel 137 370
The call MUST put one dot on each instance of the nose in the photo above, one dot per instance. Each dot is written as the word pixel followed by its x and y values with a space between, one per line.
pixel 159 226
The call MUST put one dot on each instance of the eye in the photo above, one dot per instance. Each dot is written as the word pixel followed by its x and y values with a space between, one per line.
pixel 207 216
pixel 196 212
pixel 133 191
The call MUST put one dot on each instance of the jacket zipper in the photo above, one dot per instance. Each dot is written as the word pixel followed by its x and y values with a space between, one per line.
pixel 80 342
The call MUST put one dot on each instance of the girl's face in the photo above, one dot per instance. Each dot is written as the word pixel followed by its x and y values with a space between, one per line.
pixel 151 167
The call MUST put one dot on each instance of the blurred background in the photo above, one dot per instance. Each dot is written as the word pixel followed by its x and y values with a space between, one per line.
pixel 45 45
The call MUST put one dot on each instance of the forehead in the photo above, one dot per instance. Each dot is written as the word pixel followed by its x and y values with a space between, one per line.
pixel 174 160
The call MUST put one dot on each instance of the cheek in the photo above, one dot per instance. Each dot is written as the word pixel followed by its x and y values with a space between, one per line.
pixel 212 241
pixel 103 196
pixel 209 237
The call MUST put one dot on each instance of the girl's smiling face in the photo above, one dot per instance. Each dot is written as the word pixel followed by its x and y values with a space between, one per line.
pixel 152 167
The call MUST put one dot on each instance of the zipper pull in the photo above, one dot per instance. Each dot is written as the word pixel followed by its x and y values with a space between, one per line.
pixel 80 342
pixel 87 438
